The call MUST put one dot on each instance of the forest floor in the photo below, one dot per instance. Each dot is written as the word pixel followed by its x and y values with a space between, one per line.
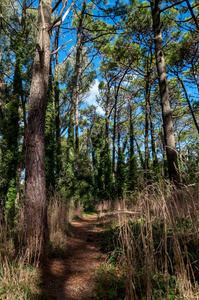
pixel 71 277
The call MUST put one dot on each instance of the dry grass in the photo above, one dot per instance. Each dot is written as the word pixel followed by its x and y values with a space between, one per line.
pixel 160 244
pixel 18 280
pixel 19 268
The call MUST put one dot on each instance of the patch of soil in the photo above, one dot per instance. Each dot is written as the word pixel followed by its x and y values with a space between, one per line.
pixel 71 278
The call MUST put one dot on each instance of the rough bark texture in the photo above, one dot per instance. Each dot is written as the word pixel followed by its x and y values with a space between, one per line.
pixel 164 95
pixel 35 181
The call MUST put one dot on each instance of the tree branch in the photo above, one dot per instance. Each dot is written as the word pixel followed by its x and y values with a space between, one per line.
pixel 1 17
pixel 170 6
pixel 54 52
pixel 61 19
pixel 56 5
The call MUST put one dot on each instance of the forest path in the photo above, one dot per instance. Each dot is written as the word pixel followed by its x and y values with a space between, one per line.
pixel 71 278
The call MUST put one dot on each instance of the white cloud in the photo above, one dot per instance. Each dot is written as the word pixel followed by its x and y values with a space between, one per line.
pixel 91 99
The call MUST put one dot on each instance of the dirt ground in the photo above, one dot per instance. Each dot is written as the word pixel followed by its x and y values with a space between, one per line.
pixel 71 278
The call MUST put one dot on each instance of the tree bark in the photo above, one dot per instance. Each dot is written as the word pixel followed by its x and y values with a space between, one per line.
pixel 164 95
pixel 36 226
pixel 147 106
pixel 153 145
pixel 57 114
pixel 77 77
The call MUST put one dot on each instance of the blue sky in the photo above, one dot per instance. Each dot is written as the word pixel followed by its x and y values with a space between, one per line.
pixel 91 99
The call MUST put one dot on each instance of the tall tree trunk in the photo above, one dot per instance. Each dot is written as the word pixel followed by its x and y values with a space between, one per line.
pixel 153 145
pixel 36 226
pixel 195 77
pixel 57 115
pixel 147 107
pixel 188 102
pixel 77 76
pixel 115 120
pixel 164 95
pixel 50 137
pixel 107 158
pixel 192 14
pixel 132 163
pixel 114 136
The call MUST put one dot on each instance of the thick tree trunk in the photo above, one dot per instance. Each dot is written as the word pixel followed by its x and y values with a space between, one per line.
pixel 35 181
pixel 164 95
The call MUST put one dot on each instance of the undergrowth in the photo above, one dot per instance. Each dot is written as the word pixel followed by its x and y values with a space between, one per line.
pixel 155 245
pixel 19 273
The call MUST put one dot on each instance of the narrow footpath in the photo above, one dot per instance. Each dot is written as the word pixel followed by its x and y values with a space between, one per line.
pixel 71 278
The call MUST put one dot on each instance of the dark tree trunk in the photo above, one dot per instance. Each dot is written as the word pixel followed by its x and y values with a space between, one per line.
pixel 188 102
pixel 57 115
pixel 153 145
pixel 195 77
pixel 147 106
pixel 115 121
pixel 77 77
pixel 50 138
pixel 164 95
pixel 35 180
pixel 132 162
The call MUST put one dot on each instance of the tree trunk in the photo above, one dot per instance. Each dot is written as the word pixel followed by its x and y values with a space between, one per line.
pixel 153 145
pixel 147 106
pixel 114 135
pixel 164 95
pixel 132 162
pixel 192 14
pixel 77 76
pixel 188 102
pixel 36 226
pixel 195 77
pixel 57 115
pixel 115 121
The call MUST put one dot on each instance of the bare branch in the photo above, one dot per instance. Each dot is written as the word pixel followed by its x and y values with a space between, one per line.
pixel 170 6
pixel 54 52
pixel 56 5
pixel 61 19
pixel 1 17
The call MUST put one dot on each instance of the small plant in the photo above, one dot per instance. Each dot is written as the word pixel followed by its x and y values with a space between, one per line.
pixel 110 283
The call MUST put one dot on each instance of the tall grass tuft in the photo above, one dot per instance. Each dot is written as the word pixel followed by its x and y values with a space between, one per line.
pixel 19 266
pixel 159 239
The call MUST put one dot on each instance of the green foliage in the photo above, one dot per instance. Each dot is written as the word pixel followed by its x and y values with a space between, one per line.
pixel 165 284
pixel 10 207
pixel 17 281
pixel 110 283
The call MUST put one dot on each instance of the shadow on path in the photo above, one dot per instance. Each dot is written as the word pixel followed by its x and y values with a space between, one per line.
pixel 71 277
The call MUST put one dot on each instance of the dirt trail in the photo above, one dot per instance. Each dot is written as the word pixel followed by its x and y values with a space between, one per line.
pixel 71 278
